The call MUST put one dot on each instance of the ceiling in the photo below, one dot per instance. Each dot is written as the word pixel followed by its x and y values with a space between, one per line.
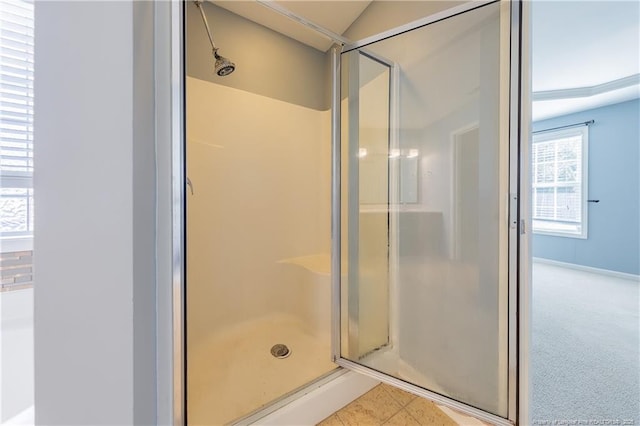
pixel 335 16
pixel 591 47
pixel 585 53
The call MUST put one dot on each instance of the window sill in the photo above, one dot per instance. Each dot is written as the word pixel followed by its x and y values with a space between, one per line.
pixel 16 244
pixel 559 234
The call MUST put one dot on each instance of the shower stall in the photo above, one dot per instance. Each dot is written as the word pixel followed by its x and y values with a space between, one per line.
pixel 352 207
pixel 258 222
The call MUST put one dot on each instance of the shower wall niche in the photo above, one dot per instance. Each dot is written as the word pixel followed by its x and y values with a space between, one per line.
pixel 258 231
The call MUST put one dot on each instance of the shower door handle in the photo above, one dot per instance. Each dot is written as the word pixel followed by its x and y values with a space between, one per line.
pixel 190 185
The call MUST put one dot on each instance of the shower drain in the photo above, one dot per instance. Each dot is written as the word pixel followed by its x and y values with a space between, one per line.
pixel 280 351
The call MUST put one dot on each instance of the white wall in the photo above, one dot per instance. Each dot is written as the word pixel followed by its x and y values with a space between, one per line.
pixel 16 352
pixel 260 169
pixel 94 185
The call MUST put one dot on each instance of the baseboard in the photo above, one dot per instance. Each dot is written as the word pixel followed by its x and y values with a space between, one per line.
pixel 322 401
pixel 600 271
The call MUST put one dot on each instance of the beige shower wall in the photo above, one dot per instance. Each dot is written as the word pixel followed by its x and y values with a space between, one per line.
pixel 260 170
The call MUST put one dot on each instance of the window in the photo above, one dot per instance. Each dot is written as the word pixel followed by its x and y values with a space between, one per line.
pixel 559 180
pixel 16 124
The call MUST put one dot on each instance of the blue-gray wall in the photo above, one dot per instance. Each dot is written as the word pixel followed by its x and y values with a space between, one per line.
pixel 613 241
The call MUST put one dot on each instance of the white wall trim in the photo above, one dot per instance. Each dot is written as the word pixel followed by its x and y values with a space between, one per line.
pixel 577 267
pixel 585 92
pixel 321 402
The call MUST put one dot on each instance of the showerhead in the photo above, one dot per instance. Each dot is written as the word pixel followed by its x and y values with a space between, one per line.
pixel 223 66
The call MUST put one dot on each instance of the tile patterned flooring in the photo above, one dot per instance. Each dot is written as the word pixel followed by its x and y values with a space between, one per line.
pixel 389 406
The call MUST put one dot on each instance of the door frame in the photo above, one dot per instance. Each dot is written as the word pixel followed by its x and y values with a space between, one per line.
pixel 169 73
pixel 518 241
pixel 525 281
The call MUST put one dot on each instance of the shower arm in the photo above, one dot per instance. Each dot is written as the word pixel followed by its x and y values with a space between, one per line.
pixel 206 25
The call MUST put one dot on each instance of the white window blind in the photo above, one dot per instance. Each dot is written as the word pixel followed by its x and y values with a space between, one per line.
pixel 559 182
pixel 16 118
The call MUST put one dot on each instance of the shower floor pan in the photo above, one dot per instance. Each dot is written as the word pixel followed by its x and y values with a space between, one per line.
pixel 233 372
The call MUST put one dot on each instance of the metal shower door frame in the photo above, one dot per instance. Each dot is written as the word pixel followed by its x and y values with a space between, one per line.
pixel 171 250
pixel 515 220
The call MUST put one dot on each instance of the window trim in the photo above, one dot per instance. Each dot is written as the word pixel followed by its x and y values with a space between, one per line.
pixel 553 134
pixel 19 40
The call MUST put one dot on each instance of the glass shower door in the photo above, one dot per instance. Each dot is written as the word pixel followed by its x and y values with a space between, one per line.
pixel 426 183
